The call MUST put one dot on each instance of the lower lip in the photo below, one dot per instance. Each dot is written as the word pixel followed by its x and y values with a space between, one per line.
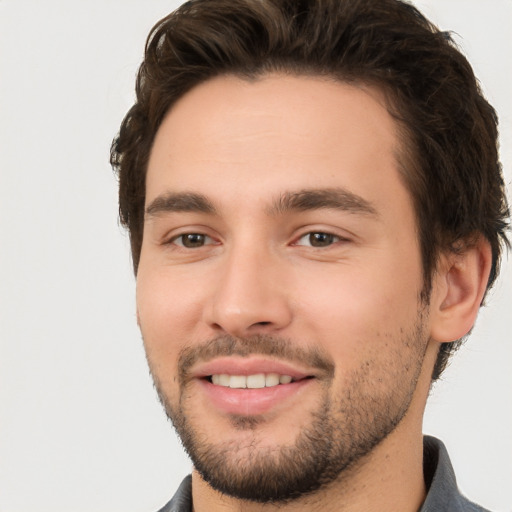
pixel 251 402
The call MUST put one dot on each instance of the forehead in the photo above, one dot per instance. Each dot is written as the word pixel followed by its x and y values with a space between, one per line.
pixel 276 133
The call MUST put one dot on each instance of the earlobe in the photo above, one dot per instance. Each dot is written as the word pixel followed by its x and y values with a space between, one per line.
pixel 459 286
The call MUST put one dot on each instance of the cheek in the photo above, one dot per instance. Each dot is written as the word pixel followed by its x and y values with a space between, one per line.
pixel 371 332
pixel 167 311
pixel 352 307
pixel 167 301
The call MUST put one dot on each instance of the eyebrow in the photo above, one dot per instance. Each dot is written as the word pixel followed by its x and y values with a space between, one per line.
pixel 323 198
pixel 302 200
pixel 179 202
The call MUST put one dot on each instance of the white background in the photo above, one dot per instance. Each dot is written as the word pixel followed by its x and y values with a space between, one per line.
pixel 80 426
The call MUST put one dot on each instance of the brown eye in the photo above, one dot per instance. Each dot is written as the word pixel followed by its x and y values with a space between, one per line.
pixel 318 239
pixel 321 239
pixel 192 240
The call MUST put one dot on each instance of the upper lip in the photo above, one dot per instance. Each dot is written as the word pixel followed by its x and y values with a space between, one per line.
pixel 247 366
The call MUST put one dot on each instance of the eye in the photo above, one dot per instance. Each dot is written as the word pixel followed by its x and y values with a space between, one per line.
pixel 192 240
pixel 318 239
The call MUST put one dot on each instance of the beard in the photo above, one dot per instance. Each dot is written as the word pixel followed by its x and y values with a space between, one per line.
pixel 343 429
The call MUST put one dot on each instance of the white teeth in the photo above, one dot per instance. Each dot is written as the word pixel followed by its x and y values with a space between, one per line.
pixel 224 380
pixel 238 381
pixel 256 381
pixel 271 379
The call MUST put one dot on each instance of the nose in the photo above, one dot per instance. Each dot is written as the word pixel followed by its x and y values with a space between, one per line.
pixel 250 295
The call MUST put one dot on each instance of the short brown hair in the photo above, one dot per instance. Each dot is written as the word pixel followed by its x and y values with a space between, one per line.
pixel 450 161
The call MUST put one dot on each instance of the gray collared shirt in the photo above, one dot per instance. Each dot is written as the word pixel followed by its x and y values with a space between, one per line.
pixel 443 494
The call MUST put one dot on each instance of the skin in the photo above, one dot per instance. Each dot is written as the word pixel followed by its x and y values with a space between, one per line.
pixel 243 145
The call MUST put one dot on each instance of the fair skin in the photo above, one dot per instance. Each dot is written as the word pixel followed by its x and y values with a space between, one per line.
pixel 228 251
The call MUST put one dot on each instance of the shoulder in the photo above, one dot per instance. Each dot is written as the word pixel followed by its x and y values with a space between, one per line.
pixel 443 494
pixel 182 500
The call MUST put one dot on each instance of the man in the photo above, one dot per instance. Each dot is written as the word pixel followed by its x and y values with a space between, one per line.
pixel 316 211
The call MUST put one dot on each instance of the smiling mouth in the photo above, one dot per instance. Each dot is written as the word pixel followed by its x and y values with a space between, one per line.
pixel 254 381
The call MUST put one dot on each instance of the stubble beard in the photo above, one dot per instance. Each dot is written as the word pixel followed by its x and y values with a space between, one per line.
pixel 343 429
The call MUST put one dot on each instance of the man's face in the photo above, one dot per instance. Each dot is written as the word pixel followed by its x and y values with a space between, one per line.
pixel 280 244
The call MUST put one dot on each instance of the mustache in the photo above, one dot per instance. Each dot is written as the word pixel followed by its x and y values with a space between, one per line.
pixel 260 344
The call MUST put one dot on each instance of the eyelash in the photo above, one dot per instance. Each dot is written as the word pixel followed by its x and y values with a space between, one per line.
pixel 330 237
pixel 182 236
pixel 319 237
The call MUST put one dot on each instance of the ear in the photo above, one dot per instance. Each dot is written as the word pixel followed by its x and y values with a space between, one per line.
pixel 458 288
